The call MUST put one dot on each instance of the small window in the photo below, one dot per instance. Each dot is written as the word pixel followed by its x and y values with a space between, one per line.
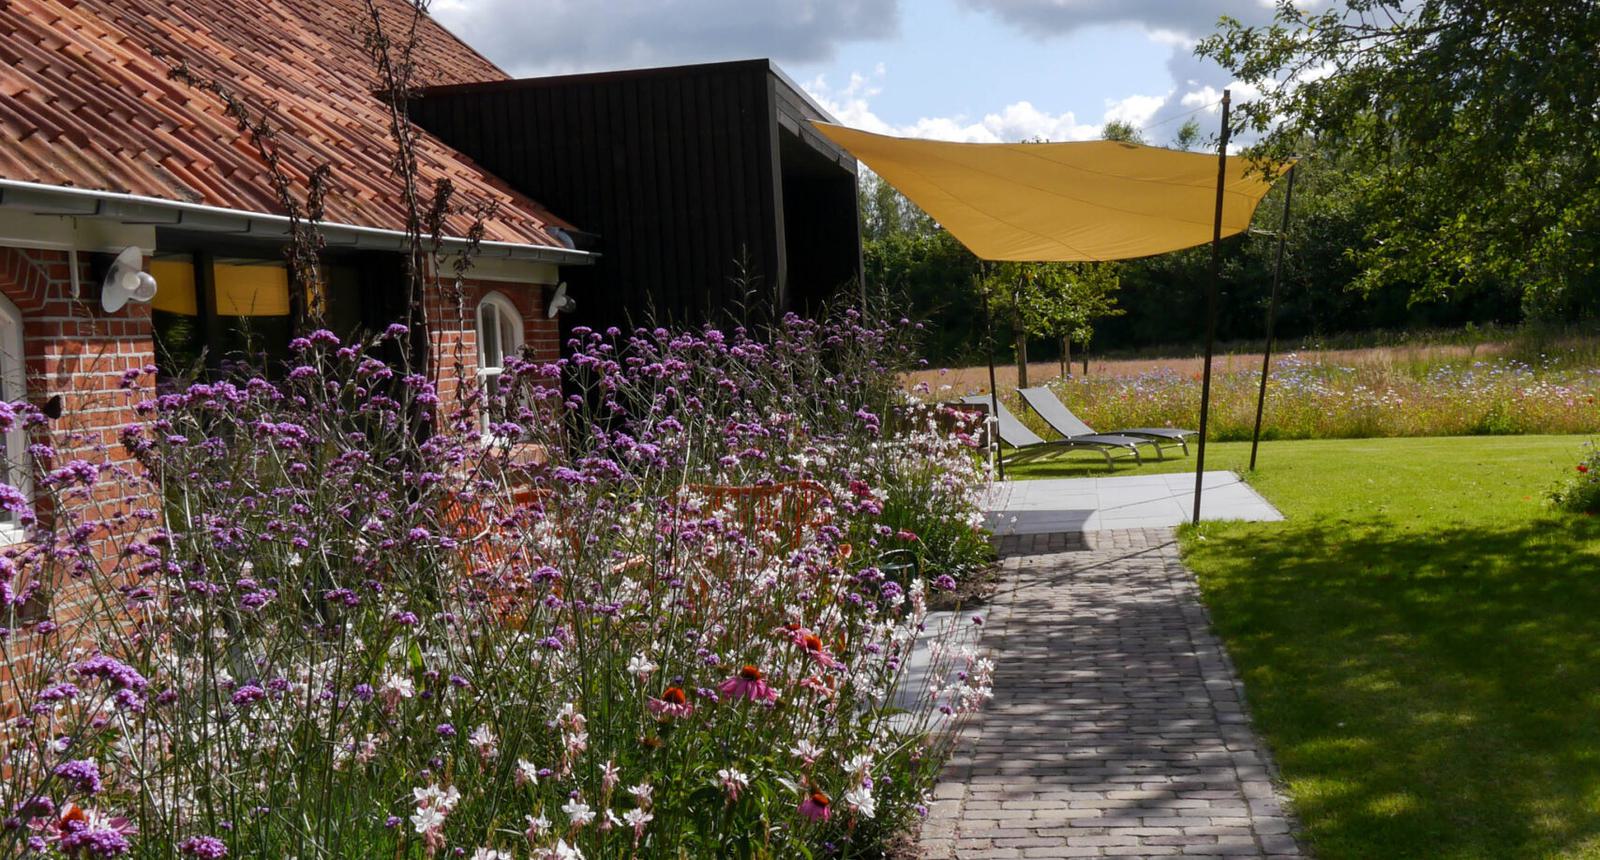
pixel 16 470
pixel 499 337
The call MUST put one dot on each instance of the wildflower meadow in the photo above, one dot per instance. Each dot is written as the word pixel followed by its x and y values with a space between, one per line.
pixel 657 599
pixel 1316 398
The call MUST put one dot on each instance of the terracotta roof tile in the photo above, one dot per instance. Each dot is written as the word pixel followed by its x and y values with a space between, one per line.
pixel 87 103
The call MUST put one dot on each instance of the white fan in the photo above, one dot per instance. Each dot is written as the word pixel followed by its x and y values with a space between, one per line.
pixel 127 282
pixel 561 303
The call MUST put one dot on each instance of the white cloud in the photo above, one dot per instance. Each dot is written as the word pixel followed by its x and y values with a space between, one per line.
pixel 1197 83
pixel 534 37
pixel 1134 110
pixel 1179 22
pixel 852 105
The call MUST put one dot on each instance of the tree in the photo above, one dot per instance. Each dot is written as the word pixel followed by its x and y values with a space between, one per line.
pixel 1475 122
pixel 1061 300
pixel 1188 136
pixel 1122 130
pixel 886 212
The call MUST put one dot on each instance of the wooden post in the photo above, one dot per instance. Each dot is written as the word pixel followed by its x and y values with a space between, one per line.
pixel 1272 318
pixel 1211 306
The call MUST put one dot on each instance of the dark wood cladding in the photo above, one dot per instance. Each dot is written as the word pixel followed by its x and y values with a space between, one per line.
pixel 710 197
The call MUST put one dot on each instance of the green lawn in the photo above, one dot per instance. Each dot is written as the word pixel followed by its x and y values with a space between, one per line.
pixel 1420 642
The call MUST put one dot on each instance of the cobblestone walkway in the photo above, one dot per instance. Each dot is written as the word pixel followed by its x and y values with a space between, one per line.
pixel 1116 728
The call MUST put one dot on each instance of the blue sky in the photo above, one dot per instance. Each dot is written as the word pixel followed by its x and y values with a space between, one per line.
pixel 954 69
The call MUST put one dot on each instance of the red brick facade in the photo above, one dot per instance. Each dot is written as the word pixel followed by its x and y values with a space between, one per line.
pixel 74 350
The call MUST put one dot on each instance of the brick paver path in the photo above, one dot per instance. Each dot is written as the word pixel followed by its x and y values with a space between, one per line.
pixel 1116 728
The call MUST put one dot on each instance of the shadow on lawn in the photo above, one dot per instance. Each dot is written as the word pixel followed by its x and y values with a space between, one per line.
pixel 1427 694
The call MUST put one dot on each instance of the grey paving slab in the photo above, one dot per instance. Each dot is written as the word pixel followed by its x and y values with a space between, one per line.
pixel 1118 726
pixel 1123 502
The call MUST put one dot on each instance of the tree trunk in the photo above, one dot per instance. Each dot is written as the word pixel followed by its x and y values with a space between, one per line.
pixel 1022 360
pixel 1066 355
pixel 1086 362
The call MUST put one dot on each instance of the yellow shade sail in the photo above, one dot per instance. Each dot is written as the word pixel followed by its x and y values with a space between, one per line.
pixel 1069 202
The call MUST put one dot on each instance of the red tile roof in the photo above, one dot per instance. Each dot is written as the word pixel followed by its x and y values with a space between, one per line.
pixel 85 102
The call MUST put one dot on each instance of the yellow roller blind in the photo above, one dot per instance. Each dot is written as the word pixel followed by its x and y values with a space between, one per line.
pixel 1088 201
pixel 174 286
pixel 251 289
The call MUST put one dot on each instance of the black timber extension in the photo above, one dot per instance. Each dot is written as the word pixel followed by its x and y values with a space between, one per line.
pixel 710 196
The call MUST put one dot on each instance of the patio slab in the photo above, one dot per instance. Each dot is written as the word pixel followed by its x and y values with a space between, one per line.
pixel 1125 502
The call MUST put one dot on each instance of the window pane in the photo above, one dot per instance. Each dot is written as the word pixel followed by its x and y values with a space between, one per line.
pixel 252 299
pixel 509 336
pixel 251 288
pixel 175 317
pixel 489 355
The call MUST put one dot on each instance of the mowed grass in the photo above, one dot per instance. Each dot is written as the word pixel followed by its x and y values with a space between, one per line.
pixel 1420 641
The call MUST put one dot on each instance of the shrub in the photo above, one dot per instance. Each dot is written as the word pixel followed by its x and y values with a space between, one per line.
pixel 1580 492
pixel 359 627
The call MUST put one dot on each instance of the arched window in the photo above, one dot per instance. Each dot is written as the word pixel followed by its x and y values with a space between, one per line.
pixel 15 471
pixel 499 336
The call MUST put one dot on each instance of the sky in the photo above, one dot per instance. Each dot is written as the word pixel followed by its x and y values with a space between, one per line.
pixel 974 70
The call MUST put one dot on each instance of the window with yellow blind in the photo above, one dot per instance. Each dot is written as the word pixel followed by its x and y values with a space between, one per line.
pixel 214 309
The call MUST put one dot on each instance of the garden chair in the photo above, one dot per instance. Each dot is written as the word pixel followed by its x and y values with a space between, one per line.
pixel 793 511
pixel 1044 402
pixel 1028 446
pixel 497 559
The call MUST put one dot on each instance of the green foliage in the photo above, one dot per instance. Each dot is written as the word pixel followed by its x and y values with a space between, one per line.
pixel 1187 136
pixel 935 276
pixel 1580 492
pixel 1467 128
pixel 1122 130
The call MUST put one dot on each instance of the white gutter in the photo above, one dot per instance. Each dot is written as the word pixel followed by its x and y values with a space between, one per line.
pixel 42 199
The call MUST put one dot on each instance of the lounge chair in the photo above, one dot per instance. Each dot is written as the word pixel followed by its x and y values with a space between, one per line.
pixel 1028 446
pixel 1055 413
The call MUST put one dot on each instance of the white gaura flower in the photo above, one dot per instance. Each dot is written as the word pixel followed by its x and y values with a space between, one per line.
pixel 527 772
pixel 859 764
pixel 490 854
pixel 395 688
pixel 637 819
pixel 537 827
pixel 563 851
pixel 806 750
pixel 484 741
pixel 641 666
pixel 733 781
pixel 860 799
pixel 641 793
pixel 578 812
pixel 433 797
pixel 427 819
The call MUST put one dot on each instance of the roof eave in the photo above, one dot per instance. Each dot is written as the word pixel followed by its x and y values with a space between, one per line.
pixel 42 199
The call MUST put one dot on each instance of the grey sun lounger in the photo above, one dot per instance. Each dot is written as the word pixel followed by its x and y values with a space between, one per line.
pixel 1055 413
pixel 1030 447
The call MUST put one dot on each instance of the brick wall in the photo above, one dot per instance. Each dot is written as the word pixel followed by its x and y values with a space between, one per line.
pixel 73 350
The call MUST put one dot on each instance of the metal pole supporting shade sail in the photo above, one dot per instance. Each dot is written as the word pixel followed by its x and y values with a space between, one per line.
pixel 1272 318
pixel 1089 201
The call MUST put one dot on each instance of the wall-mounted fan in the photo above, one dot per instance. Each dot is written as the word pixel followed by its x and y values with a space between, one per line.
pixel 561 303
pixel 126 281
